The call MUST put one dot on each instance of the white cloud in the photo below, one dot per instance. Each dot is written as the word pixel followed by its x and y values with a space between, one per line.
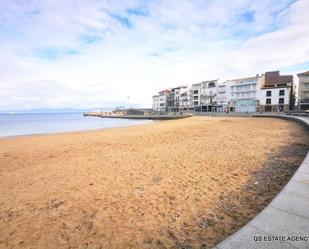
pixel 95 53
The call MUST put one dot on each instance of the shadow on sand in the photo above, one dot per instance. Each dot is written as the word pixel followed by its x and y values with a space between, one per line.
pixel 236 208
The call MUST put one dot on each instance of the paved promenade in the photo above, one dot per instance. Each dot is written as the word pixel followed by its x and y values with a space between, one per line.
pixel 285 221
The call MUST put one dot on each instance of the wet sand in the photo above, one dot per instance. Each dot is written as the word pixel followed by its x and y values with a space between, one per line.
pixel 173 184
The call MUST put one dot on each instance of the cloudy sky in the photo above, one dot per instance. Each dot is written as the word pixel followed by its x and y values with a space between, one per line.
pixel 94 53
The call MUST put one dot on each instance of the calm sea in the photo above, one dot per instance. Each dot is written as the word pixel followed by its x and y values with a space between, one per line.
pixel 26 124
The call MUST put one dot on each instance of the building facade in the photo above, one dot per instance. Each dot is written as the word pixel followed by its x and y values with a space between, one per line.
pixel 204 96
pixel 195 94
pixel 160 101
pixel 244 94
pixel 223 95
pixel 276 92
pixel 155 102
pixel 175 99
pixel 208 96
pixel 269 92
pixel 163 100
pixel 185 99
pixel 303 91
pixel 274 100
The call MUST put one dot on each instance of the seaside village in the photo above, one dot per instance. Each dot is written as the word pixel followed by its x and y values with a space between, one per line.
pixel 269 92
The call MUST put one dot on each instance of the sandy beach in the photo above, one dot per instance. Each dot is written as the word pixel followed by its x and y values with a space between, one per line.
pixel 172 184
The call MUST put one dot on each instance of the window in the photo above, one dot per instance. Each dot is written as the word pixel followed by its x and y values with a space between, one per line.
pixel 195 102
pixel 268 93
pixel 306 86
pixel 268 101
pixel 195 97
pixel 195 92
pixel 211 85
pixel 281 93
pixel 281 100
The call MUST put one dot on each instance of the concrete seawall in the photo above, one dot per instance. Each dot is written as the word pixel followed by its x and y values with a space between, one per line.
pixel 149 117
pixel 287 215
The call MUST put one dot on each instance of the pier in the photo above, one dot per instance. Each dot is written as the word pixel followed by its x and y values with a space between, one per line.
pixel 149 117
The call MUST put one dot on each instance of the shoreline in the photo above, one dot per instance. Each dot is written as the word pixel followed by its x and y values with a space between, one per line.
pixel 116 127
pixel 164 183
pixel 72 132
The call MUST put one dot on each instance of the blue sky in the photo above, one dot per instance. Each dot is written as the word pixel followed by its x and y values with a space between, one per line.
pixel 90 54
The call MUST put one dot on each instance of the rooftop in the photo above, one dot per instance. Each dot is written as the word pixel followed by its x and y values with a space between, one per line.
pixel 247 78
pixel 209 81
pixel 274 77
pixel 165 90
pixel 178 87
pixel 196 84
pixel 303 74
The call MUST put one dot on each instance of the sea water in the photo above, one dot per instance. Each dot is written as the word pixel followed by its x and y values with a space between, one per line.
pixel 27 124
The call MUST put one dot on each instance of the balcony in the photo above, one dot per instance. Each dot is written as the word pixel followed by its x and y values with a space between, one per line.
pixel 305 87
pixel 244 84
pixel 208 94
pixel 243 97
pixel 233 91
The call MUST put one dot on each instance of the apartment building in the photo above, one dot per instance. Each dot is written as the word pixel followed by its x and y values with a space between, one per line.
pixel 185 99
pixel 174 99
pixel 155 102
pixel 208 98
pixel 164 99
pixel 269 92
pixel 244 94
pixel 276 92
pixel 204 96
pixel 160 101
pixel 303 91
pixel 223 95
pixel 195 94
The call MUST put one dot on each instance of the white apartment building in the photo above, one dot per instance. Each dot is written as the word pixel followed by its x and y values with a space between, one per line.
pixel 244 94
pixel 269 92
pixel 185 99
pixel 303 91
pixel 178 99
pixel 195 94
pixel 279 97
pixel 160 101
pixel 204 96
pixel 163 99
pixel 276 92
pixel 223 95
pixel 155 102
pixel 208 93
